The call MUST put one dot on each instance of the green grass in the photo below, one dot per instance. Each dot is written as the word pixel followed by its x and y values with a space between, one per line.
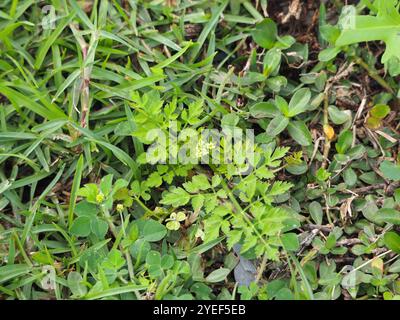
pixel 83 215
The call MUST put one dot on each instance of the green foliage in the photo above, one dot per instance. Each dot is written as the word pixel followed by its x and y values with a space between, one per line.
pixel 87 211
pixel 376 115
pixel 390 170
pixel 282 112
pixel 265 33
pixel 382 24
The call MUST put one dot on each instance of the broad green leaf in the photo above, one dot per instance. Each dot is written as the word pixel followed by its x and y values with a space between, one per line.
pixel 153 258
pixel 99 227
pixel 265 33
pixel 388 215
pixel 339 116
pixel 392 241
pixel 217 275
pixel 153 231
pixel 329 33
pixel 383 27
pixel 390 170
pixel 395 267
pixel 380 111
pixel 81 226
pixel 264 110
pixel 85 208
pixel 329 54
pixel 299 132
pixel 75 284
pixel 282 105
pixel 370 209
pixel 290 241
pixel 276 83
pixel 114 260
pixel 167 262
pixel 299 102
pixel 350 177
pixel 344 142
pixel 139 250
pixel 277 125
pixel 272 60
pixel 316 213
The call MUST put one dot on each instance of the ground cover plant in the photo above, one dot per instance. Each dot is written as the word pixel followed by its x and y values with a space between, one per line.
pixel 102 191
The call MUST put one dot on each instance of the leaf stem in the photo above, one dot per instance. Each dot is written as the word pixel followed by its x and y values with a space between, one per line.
pixel 262 268
pixel 241 211
pixel 145 208
pixel 327 144
pixel 374 74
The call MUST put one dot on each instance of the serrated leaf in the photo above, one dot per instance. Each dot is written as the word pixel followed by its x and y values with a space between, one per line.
pixel 290 241
pixel 99 227
pixel 85 208
pixel 385 27
pixel 176 197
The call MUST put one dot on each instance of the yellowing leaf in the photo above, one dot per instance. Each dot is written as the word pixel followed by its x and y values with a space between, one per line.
pixel 377 263
pixel 380 111
pixel 373 123
pixel 180 216
pixel 329 132
pixel 173 225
